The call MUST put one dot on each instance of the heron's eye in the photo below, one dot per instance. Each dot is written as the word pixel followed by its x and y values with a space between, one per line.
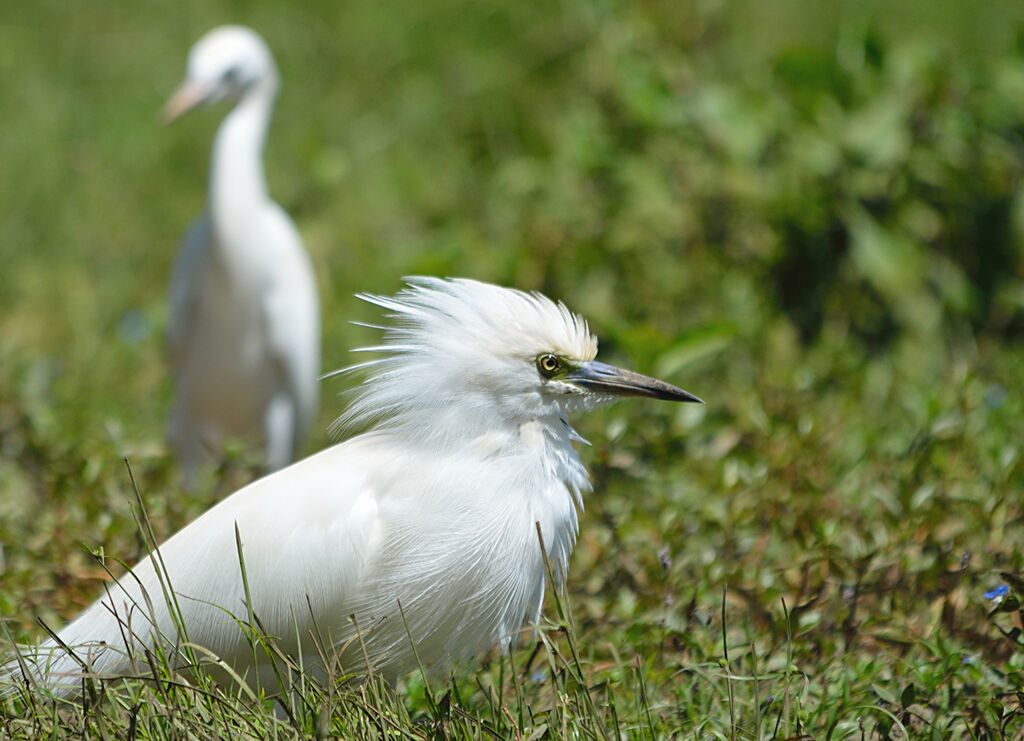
pixel 232 76
pixel 549 365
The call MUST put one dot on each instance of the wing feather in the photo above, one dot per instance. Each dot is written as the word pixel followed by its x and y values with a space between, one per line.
pixel 190 265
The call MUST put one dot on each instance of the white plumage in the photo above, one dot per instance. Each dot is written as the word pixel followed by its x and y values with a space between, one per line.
pixel 436 506
pixel 244 329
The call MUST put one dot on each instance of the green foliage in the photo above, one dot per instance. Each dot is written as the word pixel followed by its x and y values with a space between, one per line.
pixel 811 215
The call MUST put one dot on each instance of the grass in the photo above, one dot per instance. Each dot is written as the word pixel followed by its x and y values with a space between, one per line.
pixel 812 218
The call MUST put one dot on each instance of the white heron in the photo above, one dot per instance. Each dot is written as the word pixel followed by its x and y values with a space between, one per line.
pixel 435 507
pixel 244 329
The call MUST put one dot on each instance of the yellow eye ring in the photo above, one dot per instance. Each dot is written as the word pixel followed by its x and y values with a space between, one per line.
pixel 549 365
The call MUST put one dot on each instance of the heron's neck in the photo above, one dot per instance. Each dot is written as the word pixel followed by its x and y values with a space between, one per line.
pixel 237 182
pixel 546 442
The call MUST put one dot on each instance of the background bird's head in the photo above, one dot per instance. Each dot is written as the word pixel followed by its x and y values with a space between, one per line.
pixel 222 65
pixel 460 354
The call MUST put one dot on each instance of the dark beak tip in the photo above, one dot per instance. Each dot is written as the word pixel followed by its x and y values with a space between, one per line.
pixel 686 397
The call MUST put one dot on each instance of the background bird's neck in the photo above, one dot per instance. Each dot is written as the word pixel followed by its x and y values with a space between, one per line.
pixel 237 181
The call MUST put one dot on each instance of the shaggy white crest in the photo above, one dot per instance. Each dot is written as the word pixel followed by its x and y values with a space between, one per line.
pixel 460 359
pixel 244 328
pixel 435 508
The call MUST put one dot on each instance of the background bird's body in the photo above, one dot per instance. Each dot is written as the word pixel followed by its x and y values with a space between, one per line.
pixel 244 346
pixel 436 507
pixel 245 322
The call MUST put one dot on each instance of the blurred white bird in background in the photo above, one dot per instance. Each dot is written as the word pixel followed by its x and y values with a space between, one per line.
pixel 436 507
pixel 244 328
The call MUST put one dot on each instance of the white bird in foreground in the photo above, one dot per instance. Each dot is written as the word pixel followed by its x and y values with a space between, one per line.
pixel 436 507
pixel 244 329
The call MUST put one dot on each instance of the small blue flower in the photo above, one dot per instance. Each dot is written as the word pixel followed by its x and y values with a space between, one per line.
pixel 133 327
pixel 996 595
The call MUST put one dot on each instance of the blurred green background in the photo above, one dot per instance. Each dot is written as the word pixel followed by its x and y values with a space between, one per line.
pixel 664 167
pixel 809 214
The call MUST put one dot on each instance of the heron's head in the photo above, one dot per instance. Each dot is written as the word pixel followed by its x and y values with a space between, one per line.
pixel 223 65
pixel 481 353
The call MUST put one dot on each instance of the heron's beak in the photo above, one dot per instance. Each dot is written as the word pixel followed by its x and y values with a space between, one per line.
pixel 189 95
pixel 608 379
